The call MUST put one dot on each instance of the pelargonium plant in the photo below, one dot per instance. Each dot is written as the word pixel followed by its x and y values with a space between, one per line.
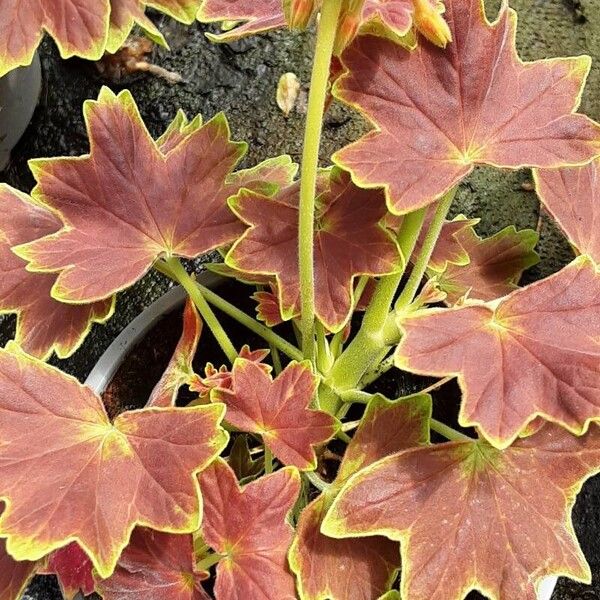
pixel 228 496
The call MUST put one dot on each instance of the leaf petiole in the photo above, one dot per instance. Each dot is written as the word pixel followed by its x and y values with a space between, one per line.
pixel 310 163
pixel 268 460
pixel 448 432
pixel 208 561
pixel 239 315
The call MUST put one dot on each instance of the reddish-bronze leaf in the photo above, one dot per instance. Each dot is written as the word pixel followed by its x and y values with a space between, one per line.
pixel 495 266
pixel 155 566
pixel 73 568
pixel 278 410
pixel 267 307
pixel 533 353
pixel 68 475
pixel 124 14
pixel 79 28
pixel 328 568
pixel 44 325
pixel 180 370
pixel 470 516
pixel 572 197
pixel 249 527
pixel 255 17
pixel 128 203
pixel 349 241
pixel 14 576
pixel 472 103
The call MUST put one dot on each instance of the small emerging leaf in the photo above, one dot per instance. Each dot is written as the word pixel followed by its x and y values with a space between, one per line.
pixel 469 517
pixel 278 410
pixel 572 197
pixel 535 352
pixel 249 527
pixel 241 461
pixel 79 467
pixel 155 566
pixel 472 103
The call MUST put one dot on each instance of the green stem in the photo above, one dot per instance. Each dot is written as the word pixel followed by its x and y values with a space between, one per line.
pixel 238 315
pixel 376 372
pixel 203 307
pixel 208 561
pixel 324 360
pixel 276 358
pixel 316 481
pixel 368 345
pixel 268 460
pixel 310 166
pixel 448 432
pixel 418 272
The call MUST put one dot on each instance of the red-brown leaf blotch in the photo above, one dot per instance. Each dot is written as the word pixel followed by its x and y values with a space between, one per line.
pixel 67 474
pixel 79 28
pixel 249 527
pixel 349 569
pixel 473 103
pixel 349 241
pixel 179 370
pixel 278 410
pixel 494 268
pixel 155 566
pixel 44 325
pixel 255 17
pixel 534 353
pixel 129 203
pixel 74 570
pixel 572 197
pixel 468 516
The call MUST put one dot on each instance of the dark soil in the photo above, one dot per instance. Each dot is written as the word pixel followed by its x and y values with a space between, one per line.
pixel 241 80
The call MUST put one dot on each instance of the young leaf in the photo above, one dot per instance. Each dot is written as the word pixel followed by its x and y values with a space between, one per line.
pixel 349 241
pixel 548 331
pixel 468 516
pixel 255 17
pixel 125 14
pixel 278 410
pixel 179 370
pixel 495 267
pixel 79 28
pixel 44 325
pixel 69 475
pixel 14 575
pixel 267 307
pixel 472 103
pixel 73 568
pixel 249 528
pixel 328 568
pixel 155 566
pixel 128 203
pixel 572 197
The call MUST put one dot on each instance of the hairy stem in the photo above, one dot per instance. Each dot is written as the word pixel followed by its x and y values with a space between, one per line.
pixel 268 460
pixel 376 372
pixel 368 346
pixel 310 165
pixel 209 317
pixel 448 432
pixel 239 315
pixel 418 272
pixel 208 561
